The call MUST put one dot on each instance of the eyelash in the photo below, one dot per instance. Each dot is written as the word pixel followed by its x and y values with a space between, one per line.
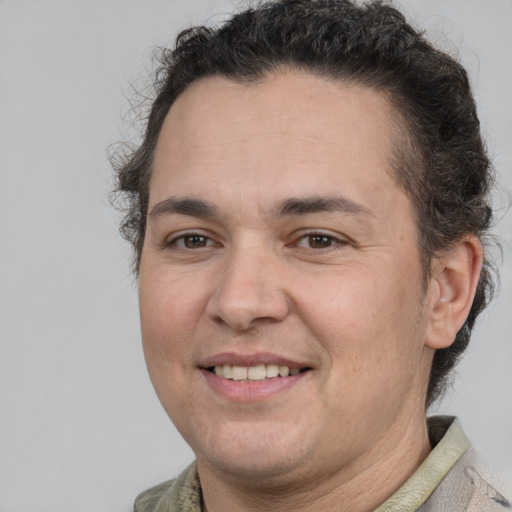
pixel 197 238
pixel 333 242
pixel 189 236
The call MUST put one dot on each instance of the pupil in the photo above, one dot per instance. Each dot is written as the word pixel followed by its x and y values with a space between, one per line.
pixel 319 241
pixel 195 241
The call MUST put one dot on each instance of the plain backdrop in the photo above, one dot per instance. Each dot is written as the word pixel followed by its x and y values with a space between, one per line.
pixel 81 428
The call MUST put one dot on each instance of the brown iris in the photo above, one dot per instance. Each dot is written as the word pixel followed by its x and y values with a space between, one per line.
pixel 195 241
pixel 319 241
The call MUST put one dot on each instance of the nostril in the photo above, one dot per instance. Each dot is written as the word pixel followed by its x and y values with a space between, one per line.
pixel 247 296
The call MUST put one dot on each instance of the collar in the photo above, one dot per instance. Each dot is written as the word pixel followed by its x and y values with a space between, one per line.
pixel 446 437
pixel 449 444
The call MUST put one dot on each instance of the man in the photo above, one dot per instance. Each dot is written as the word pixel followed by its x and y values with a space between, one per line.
pixel 308 209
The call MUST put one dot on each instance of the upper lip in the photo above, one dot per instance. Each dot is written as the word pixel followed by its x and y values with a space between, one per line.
pixel 255 359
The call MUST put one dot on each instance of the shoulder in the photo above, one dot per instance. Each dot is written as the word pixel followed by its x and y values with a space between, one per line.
pixel 471 486
pixel 148 501
pixel 181 494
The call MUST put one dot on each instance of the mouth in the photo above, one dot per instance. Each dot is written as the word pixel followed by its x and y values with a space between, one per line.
pixel 250 378
pixel 260 372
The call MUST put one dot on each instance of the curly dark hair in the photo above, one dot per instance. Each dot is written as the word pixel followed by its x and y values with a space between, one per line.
pixel 440 160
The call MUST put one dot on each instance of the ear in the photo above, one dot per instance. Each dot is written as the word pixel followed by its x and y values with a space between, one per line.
pixel 452 288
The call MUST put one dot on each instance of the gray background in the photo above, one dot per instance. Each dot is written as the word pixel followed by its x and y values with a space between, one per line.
pixel 81 428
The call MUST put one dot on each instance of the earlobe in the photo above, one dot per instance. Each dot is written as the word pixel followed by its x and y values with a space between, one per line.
pixel 451 291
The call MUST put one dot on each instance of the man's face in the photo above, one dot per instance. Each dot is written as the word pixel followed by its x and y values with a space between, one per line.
pixel 277 237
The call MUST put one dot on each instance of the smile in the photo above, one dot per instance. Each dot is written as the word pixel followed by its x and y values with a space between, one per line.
pixel 252 378
pixel 254 373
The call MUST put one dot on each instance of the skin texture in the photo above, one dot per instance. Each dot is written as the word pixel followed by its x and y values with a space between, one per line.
pixel 333 285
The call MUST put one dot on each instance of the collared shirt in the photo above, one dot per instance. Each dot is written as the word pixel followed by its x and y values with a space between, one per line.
pixel 449 479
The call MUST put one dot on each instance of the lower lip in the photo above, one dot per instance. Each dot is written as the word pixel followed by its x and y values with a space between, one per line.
pixel 243 391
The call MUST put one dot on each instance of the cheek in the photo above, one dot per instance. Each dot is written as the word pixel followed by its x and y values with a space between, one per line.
pixel 169 303
pixel 169 313
pixel 368 321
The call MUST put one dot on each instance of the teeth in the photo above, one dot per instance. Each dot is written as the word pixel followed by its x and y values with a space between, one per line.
pixel 254 373
pixel 227 371
pixel 240 372
pixel 272 370
pixel 284 371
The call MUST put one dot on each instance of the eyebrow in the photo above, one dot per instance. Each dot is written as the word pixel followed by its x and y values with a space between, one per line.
pixel 290 207
pixel 308 205
pixel 184 206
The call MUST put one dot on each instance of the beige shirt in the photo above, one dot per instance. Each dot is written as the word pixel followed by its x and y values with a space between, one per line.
pixel 449 479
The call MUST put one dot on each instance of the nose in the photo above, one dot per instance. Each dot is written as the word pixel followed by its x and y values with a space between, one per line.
pixel 249 292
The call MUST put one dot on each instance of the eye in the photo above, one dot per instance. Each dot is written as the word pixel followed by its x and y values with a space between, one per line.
pixel 191 241
pixel 319 241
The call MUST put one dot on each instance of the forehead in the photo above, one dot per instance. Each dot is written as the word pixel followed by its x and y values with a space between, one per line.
pixel 303 134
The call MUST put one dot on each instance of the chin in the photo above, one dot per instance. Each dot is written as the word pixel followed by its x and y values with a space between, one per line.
pixel 273 473
pixel 253 451
pixel 244 468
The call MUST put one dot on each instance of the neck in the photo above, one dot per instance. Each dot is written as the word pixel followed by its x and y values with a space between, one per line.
pixel 360 486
